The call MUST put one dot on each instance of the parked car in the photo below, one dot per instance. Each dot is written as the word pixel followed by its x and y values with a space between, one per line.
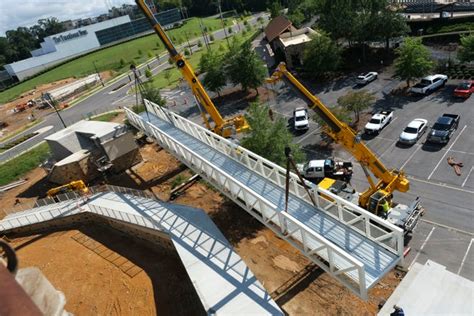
pixel 429 84
pixel 414 130
pixel 464 89
pixel 366 77
pixel 444 128
pixel 378 122
pixel 301 119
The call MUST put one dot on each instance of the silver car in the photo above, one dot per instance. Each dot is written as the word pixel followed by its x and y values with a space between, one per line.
pixel 367 77
pixel 414 130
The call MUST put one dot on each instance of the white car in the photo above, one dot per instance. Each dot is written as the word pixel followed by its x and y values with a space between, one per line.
pixel 301 119
pixel 367 77
pixel 414 130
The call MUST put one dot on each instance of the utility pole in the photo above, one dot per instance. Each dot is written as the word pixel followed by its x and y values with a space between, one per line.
pixel 52 103
pixel 98 74
pixel 189 45
pixel 223 24
pixel 204 34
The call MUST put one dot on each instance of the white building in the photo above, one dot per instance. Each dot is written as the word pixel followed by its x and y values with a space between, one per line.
pixel 60 47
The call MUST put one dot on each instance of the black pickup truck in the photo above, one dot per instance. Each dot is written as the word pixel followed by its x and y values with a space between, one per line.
pixel 444 128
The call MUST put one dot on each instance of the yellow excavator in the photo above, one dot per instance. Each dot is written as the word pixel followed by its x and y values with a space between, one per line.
pixel 78 186
pixel 378 198
pixel 223 127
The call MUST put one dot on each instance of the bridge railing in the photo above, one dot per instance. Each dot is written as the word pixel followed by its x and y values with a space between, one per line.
pixel 331 258
pixel 369 225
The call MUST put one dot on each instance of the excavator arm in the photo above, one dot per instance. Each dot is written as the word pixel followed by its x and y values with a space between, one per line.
pixel 222 127
pixel 389 180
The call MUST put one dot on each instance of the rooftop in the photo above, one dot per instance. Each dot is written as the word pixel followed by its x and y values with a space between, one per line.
pixel 93 128
pixel 297 37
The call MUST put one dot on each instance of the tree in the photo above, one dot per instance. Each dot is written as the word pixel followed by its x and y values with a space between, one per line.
pixel 213 65
pixel 269 138
pixel 389 25
pixel 413 60
pixel 167 75
pixel 466 51
pixel 297 18
pixel 22 41
pixel 245 67
pixel 148 73
pixel 356 101
pixel 152 94
pixel 321 55
pixel 275 9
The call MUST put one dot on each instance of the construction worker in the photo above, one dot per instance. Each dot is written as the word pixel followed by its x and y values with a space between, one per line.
pixel 385 208
pixel 398 311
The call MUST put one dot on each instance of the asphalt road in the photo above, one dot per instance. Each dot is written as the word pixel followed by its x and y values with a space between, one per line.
pixel 113 95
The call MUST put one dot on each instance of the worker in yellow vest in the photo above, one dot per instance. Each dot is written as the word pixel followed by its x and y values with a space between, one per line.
pixel 385 208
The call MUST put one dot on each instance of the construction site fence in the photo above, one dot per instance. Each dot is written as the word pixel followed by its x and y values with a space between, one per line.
pixel 369 225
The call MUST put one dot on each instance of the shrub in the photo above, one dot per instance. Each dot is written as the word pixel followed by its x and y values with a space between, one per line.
pixel 148 73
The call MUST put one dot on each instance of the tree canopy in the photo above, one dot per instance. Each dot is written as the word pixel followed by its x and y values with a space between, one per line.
pixel 212 64
pixel 413 61
pixel 466 51
pixel 245 67
pixel 356 101
pixel 269 138
pixel 321 55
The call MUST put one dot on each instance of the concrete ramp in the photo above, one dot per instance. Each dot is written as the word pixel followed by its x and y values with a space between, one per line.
pixel 222 280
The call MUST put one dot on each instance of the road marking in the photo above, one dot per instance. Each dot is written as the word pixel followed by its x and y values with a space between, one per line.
pixel 440 184
pixel 386 150
pixel 121 99
pixel 465 180
pixel 457 230
pixel 411 156
pixel 421 249
pixel 465 256
pixel 309 134
pixel 442 158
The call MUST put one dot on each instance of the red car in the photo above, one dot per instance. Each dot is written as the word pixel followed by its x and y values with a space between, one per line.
pixel 464 90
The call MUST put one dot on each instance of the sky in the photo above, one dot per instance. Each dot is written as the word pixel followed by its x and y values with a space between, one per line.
pixel 15 13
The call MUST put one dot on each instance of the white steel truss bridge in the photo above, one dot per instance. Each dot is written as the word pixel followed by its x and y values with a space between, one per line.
pixel 351 244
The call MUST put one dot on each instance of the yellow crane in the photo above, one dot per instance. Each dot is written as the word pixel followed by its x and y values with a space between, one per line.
pixel 78 186
pixel 389 181
pixel 223 127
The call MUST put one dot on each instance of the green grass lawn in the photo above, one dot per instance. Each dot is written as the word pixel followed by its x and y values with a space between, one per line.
pixel 159 81
pixel 135 51
pixel 106 117
pixel 16 168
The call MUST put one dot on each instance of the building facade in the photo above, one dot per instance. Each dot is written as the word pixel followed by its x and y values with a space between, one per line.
pixel 69 44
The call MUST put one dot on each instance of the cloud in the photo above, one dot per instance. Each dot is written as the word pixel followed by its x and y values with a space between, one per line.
pixel 16 13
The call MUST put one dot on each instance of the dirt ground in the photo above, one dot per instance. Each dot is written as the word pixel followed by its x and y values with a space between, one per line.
pixel 20 119
pixel 298 286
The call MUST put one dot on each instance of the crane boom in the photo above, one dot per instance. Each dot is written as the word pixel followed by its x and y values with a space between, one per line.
pixel 389 180
pixel 222 126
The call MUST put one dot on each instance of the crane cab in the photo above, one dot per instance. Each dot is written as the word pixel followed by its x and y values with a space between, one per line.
pixel 380 204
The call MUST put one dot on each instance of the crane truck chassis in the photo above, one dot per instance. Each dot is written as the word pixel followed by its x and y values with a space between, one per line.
pixel 375 198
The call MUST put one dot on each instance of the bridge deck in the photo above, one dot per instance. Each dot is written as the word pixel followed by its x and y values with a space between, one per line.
pixel 376 259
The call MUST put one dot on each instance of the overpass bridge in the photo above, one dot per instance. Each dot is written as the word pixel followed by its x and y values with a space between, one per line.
pixel 352 245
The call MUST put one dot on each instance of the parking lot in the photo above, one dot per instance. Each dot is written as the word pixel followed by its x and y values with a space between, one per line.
pixel 447 229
